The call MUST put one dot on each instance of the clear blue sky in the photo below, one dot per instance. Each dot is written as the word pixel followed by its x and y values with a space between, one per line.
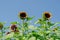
pixel 9 9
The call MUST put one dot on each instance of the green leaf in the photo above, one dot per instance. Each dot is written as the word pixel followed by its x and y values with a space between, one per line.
pixel 14 22
pixel 25 24
pixel 29 18
pixel 3 22
pixel 40 21
pixel 32 38
pixel 55 24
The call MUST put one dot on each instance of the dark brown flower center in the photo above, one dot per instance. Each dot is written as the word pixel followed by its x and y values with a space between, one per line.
pixel 23 14
pixel 47 15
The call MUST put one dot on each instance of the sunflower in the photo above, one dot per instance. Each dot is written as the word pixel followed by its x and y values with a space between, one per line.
pixel 22 15
pixel 13 27
pixel 46 15
pixel 1 26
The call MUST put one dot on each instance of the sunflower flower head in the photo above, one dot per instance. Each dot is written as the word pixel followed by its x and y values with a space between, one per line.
pixel 22 15
pixel 13 27
pixel 46 15
pixel 1 26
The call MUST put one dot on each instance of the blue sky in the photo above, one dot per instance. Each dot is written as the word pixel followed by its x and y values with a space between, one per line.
pixel 9 9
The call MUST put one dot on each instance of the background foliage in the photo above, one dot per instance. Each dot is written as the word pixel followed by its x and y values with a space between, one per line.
pixel 46 30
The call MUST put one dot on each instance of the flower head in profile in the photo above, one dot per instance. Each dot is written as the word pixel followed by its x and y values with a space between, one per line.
pixel 22 15
pixel 1 26
pixel 46 15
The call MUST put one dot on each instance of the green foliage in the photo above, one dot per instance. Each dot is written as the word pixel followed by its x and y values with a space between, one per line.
pixel 24 31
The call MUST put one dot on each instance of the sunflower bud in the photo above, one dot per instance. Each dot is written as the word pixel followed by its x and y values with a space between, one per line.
pixel 55 29
pixel 46 15
pixel 7 33
pixel 22 15
pixel 1 26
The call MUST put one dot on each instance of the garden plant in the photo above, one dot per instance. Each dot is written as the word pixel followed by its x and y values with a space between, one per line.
pixel 46 29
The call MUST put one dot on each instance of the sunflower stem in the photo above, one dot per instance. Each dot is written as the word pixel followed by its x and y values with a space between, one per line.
pixel 23 22
pixel 23 26
pixel 2 32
